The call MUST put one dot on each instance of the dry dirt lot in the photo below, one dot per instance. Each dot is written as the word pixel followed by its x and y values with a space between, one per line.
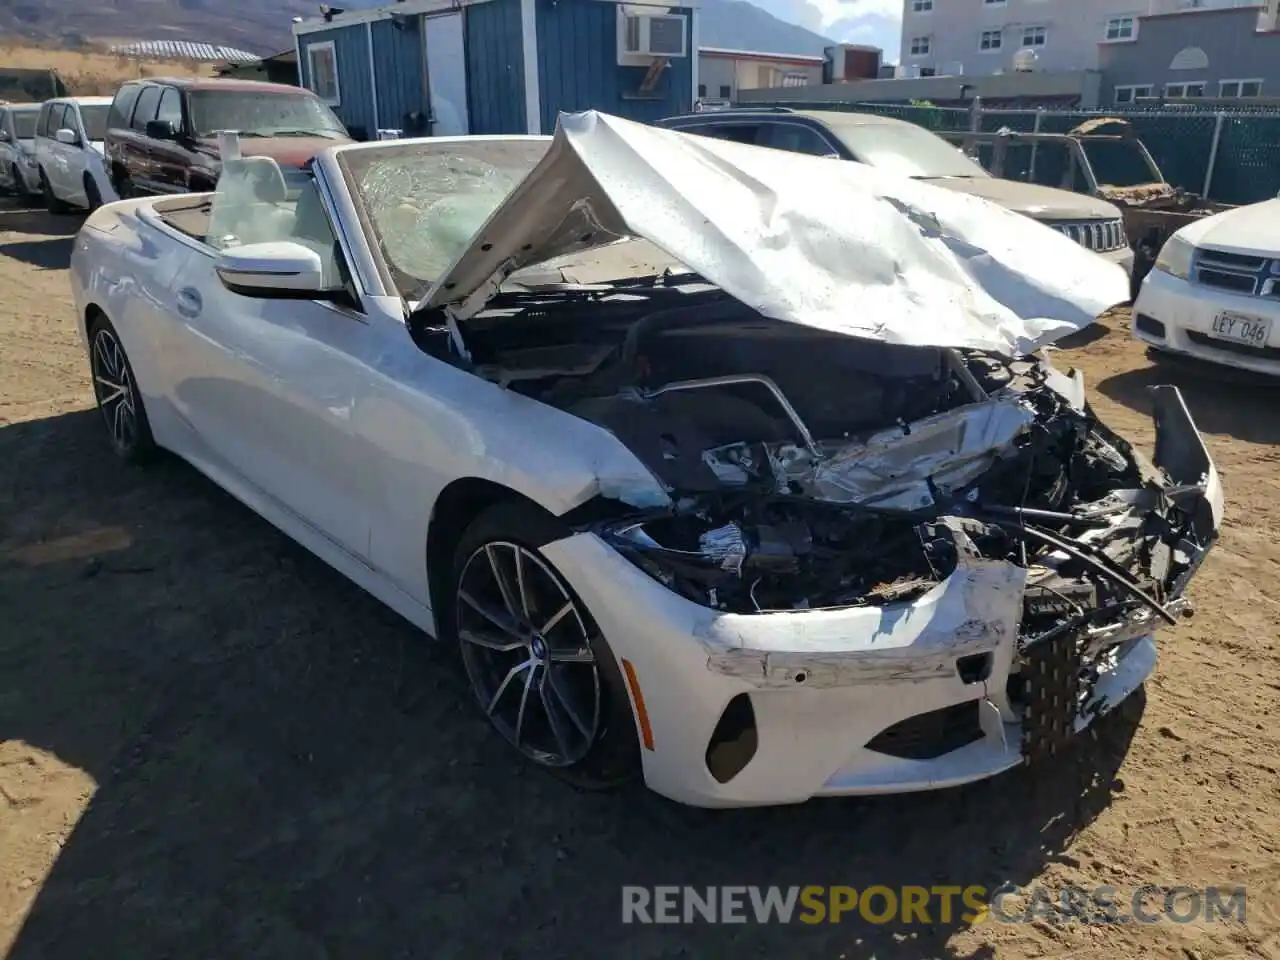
pixel 211 745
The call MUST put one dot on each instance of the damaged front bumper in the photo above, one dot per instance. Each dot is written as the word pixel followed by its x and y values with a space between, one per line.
pixel 779 707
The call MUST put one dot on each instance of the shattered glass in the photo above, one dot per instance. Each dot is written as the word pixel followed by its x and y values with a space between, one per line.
pixel 426 202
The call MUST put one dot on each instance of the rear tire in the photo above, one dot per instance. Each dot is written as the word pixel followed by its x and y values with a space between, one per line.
pixel 124 186
pixel 51 202
pixel 116 390
pixel 19 184
pixel 535 659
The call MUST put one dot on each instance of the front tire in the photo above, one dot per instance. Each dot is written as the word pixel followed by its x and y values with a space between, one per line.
pixel 116 390
pixel 92 195
pixel 51 202
pixel 536 661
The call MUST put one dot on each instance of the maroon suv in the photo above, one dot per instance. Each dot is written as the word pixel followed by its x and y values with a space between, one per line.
pixel 162 133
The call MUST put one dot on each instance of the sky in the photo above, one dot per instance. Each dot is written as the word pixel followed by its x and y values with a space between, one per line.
pixel 877 22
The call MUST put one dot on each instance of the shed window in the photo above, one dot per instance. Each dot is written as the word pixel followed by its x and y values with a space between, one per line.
pixel 1183 90
pixel 322 71
pixel 725 92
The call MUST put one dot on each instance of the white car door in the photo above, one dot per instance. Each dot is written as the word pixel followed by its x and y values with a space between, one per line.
pixel 8 151
pixel 270 386
pixel 57 170
pixel 74 157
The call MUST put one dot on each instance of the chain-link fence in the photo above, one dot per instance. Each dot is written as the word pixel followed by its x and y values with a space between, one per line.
pixel 1230 156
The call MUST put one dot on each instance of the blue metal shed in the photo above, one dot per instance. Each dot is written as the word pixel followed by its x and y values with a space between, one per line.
pixel 443 67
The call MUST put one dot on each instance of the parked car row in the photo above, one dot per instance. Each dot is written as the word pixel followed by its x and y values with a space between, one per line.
pixel 155 136
pixel 55 151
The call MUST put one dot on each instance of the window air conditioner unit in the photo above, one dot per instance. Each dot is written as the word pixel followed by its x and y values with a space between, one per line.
pixel 644 36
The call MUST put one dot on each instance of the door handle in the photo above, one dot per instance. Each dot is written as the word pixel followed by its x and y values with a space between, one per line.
pixel 189 302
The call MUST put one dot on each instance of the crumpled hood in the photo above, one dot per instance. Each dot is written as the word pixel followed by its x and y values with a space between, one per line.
pixel 836 246
pixel 1032 199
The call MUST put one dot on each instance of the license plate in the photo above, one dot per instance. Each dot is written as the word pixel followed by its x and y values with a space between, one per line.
pixel 1238 328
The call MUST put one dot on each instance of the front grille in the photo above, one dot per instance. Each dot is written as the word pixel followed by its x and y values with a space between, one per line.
pixel 1102 236
pixel 1245 274
pixel 928 736
pixel 1227 346
pixel 1235 282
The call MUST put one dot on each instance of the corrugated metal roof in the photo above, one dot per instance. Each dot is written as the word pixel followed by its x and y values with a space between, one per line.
pixel 185 49
pixel 761 55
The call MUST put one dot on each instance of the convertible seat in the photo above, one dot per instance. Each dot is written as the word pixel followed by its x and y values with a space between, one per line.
pixel 249 204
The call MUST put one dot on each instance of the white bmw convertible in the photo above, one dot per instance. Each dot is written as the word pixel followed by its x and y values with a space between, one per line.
pixel 738 470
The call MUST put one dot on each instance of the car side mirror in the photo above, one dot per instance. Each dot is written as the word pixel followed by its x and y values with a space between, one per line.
pixel 162 130
pixel 68 136
pixel 277 270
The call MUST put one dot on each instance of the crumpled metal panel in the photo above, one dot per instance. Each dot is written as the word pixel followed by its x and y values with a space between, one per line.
pixel 829 244
pixel 893 468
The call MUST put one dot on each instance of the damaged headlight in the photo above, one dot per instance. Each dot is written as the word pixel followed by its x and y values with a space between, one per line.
pixel 783 555
pixel 695 558
pixel 1175 257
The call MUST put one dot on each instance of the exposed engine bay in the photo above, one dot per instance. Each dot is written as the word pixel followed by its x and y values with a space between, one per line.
pixel 810 469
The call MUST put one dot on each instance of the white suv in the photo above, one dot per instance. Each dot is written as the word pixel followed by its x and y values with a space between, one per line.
pixel 69 153
pixel 18 148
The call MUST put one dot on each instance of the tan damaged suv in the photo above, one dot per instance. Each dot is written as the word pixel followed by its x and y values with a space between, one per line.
pixel 914 152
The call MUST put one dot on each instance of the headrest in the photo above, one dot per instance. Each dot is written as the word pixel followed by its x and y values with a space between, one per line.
pixel 253 178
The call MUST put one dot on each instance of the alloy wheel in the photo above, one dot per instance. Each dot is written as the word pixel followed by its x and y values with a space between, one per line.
pixel 527 651
pixel 113 387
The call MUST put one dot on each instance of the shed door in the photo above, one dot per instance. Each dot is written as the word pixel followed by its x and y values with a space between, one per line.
pixel 446 74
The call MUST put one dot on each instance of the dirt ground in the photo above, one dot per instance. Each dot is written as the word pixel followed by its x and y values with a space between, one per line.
pixel 211 745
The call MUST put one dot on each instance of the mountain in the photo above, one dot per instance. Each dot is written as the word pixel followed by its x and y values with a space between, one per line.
pixel 264 27
pixel 738 25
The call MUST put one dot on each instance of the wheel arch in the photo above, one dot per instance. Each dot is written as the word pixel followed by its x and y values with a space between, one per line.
pixel 458 504
pixel 91 313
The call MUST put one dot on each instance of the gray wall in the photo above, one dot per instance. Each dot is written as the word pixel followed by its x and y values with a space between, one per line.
pixel 714 72
pixel 1229 38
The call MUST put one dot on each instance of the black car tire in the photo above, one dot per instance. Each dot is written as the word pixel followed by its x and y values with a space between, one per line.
pixel 116 390
pixel 51 202
pixel 19 185
pixel 92 195
pixel 606 750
